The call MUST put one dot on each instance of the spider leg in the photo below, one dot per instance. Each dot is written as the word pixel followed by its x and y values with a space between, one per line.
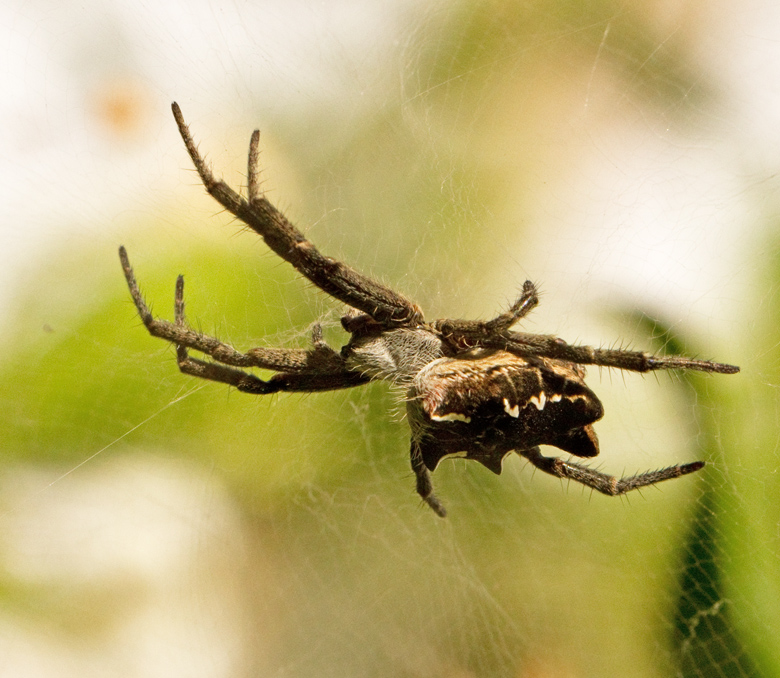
pixel 526 302
pixel 637 361
pixel 249 383
pixel 321 357
pixel 464 334
pixel 424 483
pixel 243 381
pixel 252 166
pixel 318 369
pixel 334 278
pixel 601 482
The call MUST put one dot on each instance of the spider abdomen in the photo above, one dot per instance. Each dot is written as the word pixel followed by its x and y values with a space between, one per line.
pixel 484 406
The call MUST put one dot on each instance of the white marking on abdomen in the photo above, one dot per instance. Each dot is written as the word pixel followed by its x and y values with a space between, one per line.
pixel 454 455
pixel 451 416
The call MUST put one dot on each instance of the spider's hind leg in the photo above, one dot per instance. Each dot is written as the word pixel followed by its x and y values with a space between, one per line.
pixel 525 303
pixel 601 482
pixel 464 334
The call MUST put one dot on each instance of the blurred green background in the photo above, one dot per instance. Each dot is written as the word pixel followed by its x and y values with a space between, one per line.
pixel 154 524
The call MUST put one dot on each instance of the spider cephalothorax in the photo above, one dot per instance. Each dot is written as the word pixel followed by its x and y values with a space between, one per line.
pixel 474 389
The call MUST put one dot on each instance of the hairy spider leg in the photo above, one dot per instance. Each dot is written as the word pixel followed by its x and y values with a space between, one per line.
pixel 208 370
pixel 317 369
pixel 333 277
pixel 424 482
pixel 548 346
pixel 601 482
pixel 254 194
pixel 526 302
pixel 464 334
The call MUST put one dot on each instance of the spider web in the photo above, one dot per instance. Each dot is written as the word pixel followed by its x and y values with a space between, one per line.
pixel 620 155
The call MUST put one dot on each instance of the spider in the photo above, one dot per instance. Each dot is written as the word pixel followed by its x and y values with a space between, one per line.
pixel 474 389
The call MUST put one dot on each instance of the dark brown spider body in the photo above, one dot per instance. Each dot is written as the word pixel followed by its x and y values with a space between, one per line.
pixel 486 406
pixel 474 389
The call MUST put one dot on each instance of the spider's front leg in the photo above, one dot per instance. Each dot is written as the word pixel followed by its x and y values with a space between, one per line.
pixel 333 277
pixel 317 369
pixel 243 381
